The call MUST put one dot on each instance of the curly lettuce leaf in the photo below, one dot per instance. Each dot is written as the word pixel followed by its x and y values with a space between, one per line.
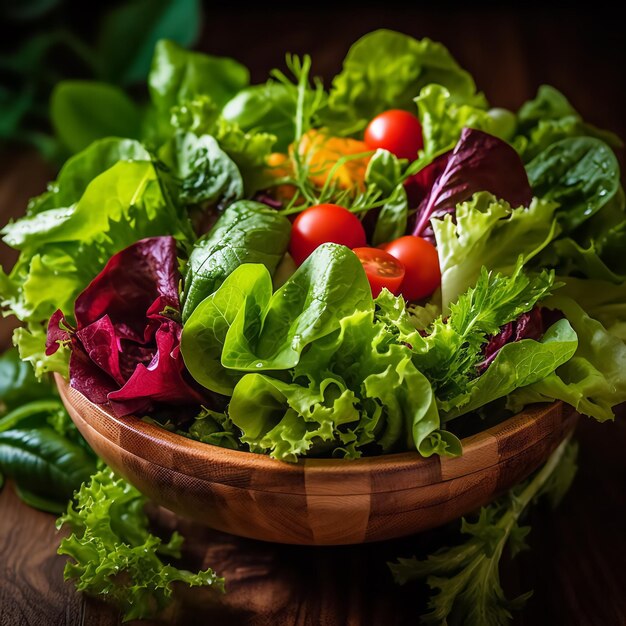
pixel 465 579
pixel 386 70
pixel 112 553
pixel 489 233
pixel 517 365
pixel 452 347
pixel 352 388
pixel 592 381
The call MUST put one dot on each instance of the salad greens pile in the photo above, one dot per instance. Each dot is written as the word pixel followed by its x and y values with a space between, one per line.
pixel 157 273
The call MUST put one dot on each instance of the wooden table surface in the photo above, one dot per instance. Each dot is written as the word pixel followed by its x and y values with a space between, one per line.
pixel 576 564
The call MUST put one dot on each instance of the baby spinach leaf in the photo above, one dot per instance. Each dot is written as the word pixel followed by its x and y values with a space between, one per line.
pixel 44 464
pixel 247 232
pixel 203 172
pixel 18 383
pixel 581 174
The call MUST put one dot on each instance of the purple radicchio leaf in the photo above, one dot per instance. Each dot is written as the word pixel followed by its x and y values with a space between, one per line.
pixel 530 325
pixel 479 162
pixel 126 346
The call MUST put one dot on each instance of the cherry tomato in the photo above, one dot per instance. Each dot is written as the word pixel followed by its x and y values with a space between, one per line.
pixel 398 131
pixel 382 269
pixel 421 264
pixel 324 223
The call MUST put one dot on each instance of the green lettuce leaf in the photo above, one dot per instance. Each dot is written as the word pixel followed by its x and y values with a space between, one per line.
pixel 386 70
pixel 247 232
pixel 112 554
pixel 246 328
pixel 592 381
pixel 178 75
pixel 489 233
pixel 601 300
pixel 354 387
pixel 517 364
pixel 465 579
pixel 444 115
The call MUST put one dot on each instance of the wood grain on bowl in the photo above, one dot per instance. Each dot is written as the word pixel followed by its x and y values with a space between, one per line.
pixel 318 501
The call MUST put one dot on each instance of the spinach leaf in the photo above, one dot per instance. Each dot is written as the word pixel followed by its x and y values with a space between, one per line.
pixel 247 232
pixel 18 383
pixel 581 174
pixel 45 464
pixel 548 118
pixel 203 172
pixel 83 111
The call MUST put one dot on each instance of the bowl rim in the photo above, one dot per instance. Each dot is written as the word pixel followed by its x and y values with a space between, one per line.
pixel 480 451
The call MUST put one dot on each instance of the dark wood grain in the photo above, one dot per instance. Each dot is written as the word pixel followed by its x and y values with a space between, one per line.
pixel 577 556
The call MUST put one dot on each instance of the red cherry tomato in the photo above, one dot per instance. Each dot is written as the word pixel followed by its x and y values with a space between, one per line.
pixel 398 131
pixel 421 264
pixel 324 223
pixel 382 269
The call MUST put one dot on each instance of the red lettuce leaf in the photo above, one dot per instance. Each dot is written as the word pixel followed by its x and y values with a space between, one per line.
pixel 530 325
pixel 479 162
pixel 126 346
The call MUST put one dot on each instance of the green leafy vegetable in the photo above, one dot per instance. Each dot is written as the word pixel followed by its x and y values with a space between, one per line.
pixel 63 248
pixel 465 579
pixel 44 463
pixel 443 117
pixel 40 449
pixel 592 381
pixel 548 119
pixel 113 554
pixel 580 174
pixel 83 111
pixel 451 349
pixel 517 364
pixel 386 70
pixel 178 76
pixel 204 173
pixel 489 233
pixel 247 232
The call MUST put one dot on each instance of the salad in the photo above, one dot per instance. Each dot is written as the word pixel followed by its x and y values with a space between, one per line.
pixel 383 265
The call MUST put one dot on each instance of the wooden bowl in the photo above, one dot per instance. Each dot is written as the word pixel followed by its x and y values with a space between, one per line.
pixel 318 501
